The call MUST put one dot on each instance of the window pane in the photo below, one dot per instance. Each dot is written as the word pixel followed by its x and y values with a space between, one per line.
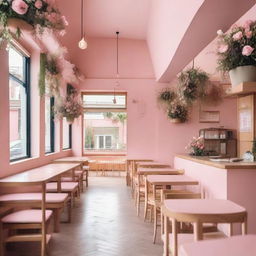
pixel 66 134
pixel 16 64
pixel 105 131
pixel 18 120
pixel 104 101
pixel 48 125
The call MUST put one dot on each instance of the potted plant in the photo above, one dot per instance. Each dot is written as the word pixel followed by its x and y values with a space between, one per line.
pixel 178 112
pixel 192 83
pixel 166 96
pixel 196 146
pixel 236 52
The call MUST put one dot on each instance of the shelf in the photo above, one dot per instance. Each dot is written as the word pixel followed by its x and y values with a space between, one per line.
pixel 242 89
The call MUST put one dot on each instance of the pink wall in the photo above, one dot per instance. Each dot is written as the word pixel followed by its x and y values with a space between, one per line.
pixel 150 133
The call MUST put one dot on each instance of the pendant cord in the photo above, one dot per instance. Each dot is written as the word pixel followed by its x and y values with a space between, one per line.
pixel 82 18
pixel 117 54
pixel 193 63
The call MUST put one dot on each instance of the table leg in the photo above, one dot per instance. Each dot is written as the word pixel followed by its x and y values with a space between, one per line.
pixel 43 241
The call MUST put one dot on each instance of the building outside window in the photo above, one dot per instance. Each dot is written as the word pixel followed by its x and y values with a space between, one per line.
pixel 19 102
pixel 105 123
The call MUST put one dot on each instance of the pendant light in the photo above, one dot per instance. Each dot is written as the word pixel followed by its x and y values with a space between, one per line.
pixel 117 64
pixel 82 43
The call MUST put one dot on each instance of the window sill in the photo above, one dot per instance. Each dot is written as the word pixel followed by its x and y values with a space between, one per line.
pixel 23 160
pixel 66 149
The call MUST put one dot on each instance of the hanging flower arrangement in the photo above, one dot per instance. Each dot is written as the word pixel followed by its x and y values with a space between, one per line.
pixel 178 111
pixel 166 96
pixel 71 108
pixel 192 83
pixel 40 14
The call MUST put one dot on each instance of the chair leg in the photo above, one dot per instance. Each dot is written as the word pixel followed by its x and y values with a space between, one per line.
pixel 86 176
pixel 145 210
pixel 155 224
pixel 138 203
pixel 2 244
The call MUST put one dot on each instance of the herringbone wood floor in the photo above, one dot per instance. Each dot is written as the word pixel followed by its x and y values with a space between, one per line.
pixel 104 224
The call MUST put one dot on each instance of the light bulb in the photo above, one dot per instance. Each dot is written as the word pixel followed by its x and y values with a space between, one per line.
pixel 82 44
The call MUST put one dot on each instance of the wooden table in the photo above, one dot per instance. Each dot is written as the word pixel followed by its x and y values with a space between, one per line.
pixel 233 246
pixel 130 162
pixel 40 176
pixel 172 180
pixel 158 171
pixel 73 159
pixel 199 211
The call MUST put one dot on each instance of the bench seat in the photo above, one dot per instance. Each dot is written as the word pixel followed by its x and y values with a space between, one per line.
pixel 26 216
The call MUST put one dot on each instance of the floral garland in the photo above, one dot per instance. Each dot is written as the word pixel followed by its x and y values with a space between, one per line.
pixel 40 14
pixel 70 108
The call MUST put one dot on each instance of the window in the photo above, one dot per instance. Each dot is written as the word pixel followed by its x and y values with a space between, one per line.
pixel 105 123
pixel 67 134
pixel 49 125
pixel 19 102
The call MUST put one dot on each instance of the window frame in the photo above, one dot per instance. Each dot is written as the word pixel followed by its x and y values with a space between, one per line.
pixel 109 109
pixel 26 85
pixel 52 128
pixel 69 137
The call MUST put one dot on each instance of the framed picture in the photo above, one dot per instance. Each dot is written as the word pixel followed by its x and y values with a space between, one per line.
pixel 209 116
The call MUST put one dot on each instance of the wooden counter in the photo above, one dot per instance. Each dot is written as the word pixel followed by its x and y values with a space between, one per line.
pixel 223 165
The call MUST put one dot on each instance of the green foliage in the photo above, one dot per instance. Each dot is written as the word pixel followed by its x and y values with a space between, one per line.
pixel 41 82
pixel 166 96
pixel 116 117
pixel 192 83
pixel 89 138
pixel 232 57
pixel 179 111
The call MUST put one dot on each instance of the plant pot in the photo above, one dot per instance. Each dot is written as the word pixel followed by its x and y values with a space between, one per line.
pixel 175 120
pixel 242 74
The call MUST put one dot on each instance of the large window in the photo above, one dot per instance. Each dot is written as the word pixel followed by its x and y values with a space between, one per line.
pixel 67 134
pixel 49 125
pixel 105 123
pixel 19 102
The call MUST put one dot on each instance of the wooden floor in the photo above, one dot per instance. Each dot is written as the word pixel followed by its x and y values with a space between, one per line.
pixel 104 224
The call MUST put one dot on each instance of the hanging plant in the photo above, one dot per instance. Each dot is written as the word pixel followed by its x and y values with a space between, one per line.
pixel 192 84
pixel 212 95
pixel 70 108
pixel 178 111
pixel 40 14
pixel 166 96
pixel 41 82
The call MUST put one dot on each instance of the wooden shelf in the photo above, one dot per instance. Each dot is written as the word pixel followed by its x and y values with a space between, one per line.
pixel 242 89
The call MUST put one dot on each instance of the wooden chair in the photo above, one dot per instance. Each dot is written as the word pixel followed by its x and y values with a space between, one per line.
pixel 155 196
pixel 25 219
pixel 54 201
pixel 197 212
pixel 139 185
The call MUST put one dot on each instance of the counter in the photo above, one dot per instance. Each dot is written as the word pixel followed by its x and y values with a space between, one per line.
pixel 224 180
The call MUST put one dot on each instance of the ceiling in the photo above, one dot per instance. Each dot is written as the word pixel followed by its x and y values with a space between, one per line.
pixel 102 18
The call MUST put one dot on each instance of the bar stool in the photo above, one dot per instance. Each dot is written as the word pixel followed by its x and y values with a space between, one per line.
pixel 197 212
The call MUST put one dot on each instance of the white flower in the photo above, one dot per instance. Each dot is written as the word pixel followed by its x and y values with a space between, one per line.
pixel 220 32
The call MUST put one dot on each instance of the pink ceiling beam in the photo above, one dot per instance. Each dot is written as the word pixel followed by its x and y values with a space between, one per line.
pixel 211 16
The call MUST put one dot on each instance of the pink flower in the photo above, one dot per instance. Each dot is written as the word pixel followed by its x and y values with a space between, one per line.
pixel 248 34
pixel 19 6
pixel 248 23
pixel 238 35
pixel 38 4
pixel 223 48
pixel 64 20
pixel 247 50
